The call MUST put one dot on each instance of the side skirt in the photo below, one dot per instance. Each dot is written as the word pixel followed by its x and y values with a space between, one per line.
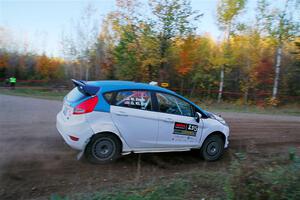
pixel 160 150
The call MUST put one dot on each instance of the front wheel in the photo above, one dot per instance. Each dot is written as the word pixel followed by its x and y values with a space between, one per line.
pixel 212 148
pixel 103 148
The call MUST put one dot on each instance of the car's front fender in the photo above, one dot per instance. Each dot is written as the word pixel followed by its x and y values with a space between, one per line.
pixel 211 126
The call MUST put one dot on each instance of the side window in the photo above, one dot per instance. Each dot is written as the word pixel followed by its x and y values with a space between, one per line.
pixel 134 99
pixel 108 96
pixel 173 105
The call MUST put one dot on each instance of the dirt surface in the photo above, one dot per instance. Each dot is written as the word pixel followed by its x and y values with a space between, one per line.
pixel 35 163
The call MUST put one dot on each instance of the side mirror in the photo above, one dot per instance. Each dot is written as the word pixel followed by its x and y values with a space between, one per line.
pixel 197 117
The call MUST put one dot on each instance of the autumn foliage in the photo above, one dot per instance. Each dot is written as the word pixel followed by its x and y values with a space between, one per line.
pixel 166 48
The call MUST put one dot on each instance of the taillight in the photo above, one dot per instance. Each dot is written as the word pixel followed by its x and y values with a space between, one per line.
pixel 86 106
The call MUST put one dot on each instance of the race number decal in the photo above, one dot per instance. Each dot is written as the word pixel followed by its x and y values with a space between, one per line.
pixel 185 129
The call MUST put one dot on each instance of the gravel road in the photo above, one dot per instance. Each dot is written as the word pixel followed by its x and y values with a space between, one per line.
pixel 36 163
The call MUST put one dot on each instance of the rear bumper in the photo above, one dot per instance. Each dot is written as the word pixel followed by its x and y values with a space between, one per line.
pixel 76 127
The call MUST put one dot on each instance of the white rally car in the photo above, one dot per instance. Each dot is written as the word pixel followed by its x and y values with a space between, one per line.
pixel 106 119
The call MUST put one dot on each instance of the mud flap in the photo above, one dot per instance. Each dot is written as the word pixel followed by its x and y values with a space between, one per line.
pixel 79 155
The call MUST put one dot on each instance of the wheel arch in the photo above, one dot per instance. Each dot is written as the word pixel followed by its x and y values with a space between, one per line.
pixel 107 132
pixel 221 134
pixel 217 133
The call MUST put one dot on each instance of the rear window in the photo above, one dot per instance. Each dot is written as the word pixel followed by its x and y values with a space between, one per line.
pixel 75 95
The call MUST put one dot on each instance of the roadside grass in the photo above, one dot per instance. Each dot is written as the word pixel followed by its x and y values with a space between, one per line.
pixel 42 93
pixel 52 94
pixel 194 185
pixel 274 178
pixel 291 109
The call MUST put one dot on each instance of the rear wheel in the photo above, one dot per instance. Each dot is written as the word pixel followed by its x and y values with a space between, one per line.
pixel 212 148
pixel 103 148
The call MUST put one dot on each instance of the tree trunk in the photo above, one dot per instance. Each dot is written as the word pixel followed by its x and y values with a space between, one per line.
pixel 277 71
pixel 193 89
pixel 246 92
pixel 164 74
pixel 181 86
pixel 221 85
pixel 223 67
pixel 81 71
pixel 87 73
pixel 246 95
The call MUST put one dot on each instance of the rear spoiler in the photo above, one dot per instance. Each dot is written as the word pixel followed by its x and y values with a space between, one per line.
pixel 83 87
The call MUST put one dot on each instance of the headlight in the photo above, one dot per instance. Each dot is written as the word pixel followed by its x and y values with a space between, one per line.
pixel 222 121
pixel 219 119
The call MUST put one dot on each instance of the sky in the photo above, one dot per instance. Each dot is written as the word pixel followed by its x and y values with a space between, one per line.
pixel 40 23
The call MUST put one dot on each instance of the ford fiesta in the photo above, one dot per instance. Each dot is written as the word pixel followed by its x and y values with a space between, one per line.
pixel 107 119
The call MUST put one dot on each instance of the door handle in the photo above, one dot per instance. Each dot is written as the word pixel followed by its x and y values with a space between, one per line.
pixel 168 120
pixel 121 113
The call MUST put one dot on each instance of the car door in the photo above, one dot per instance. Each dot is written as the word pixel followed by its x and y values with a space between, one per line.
pixel 133 116
pixel 177 125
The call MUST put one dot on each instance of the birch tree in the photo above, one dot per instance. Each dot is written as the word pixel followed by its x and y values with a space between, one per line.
pixel 282 24
pixel 227 11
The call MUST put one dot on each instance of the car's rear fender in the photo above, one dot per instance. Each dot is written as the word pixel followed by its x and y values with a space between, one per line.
pixel 101 122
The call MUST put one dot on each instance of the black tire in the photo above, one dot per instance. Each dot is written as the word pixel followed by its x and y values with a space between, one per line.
pixel 103 148
pixel 212 148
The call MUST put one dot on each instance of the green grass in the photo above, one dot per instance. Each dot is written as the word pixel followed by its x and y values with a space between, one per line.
pixel 289 109
pixel 274 178
pixel 42 93
pixel 195 185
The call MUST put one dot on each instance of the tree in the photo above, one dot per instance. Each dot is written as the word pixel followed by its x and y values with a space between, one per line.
pixel 42 66
pixel 150 57
pixel 227 11
pixel 208 57
pixel 173 18
pixel 134 42
pixel 4 57
pixel 126 55
pixel 102 57
pixel 185 56
pixel 127 51
pixel 246 52
pixel 280 25
pixel 290 75
pixel 80 42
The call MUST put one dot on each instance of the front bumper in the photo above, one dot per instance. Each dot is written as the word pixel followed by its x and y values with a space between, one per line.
pixel 77 127
pixel 226 133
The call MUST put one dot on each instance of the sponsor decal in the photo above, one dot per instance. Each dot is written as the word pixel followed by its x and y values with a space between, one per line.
pixel 185 129
pixel 135 101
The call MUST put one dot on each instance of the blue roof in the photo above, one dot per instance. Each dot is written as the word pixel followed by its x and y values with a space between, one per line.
pixel 106 86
